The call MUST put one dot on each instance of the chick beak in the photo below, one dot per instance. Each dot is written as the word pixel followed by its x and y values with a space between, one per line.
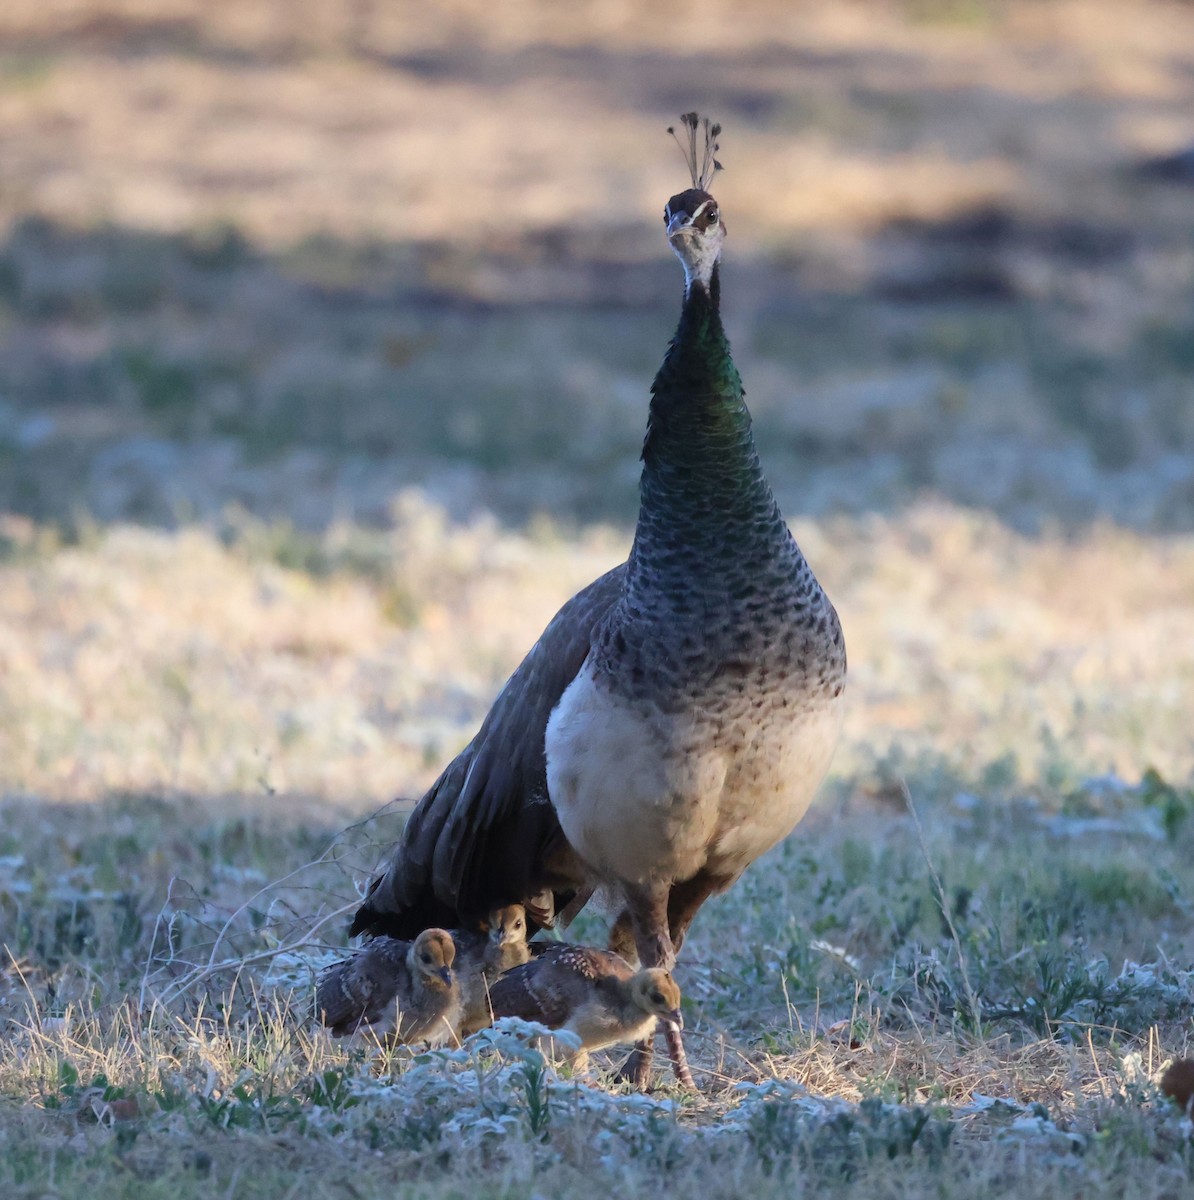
pixel 675 1018
pixel 446 975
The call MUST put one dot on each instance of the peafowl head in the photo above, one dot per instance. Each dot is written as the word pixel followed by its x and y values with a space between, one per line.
pixel 695 229
pixel 507 926
pixel 654 991
pixel 431 956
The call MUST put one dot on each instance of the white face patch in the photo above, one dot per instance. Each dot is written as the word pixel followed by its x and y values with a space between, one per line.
pixel 697 250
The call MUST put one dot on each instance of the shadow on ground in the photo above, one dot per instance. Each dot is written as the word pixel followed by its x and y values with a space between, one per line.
pixel 163 378
pixel 411 247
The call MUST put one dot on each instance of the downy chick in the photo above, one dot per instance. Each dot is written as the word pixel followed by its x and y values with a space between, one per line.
pixel 483 957
pixel 404 990
pixel 594 994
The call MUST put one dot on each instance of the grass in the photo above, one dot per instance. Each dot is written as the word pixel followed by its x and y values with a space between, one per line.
pixel 972 996
pixel 240 260
pixel 824 1000
pixel 324 353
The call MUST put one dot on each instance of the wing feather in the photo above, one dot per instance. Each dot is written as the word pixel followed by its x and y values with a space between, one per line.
pixel 360 989
pixel 550 986
pixel 485 833
pixel 528 993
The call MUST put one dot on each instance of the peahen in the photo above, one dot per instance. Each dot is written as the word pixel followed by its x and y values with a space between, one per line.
pixel 676 716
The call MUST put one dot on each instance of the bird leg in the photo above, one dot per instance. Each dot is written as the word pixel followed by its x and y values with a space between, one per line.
pixel 647 906
pixel 621 937
pixel 675 1051
pixel 647 909
pixel 686 898
pixel 683 901
pixel 636 1070
pixel 567 914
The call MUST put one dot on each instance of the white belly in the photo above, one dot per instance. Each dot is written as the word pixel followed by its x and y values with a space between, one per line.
pixel 644 795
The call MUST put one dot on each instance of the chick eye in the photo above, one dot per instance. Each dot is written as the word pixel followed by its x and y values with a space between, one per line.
pixel 427 958
pixel 656 998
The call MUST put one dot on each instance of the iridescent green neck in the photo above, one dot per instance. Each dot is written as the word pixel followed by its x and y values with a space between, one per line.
pixel 698 367
pixel 702 487
pixel 698 435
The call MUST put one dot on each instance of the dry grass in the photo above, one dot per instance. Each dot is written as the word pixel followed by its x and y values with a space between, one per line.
pixel 449 111
pixel 141 660
pixel 171 893
pixel 290 295
pixel 294 263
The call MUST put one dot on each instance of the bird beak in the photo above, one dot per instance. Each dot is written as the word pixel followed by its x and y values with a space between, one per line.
pixel 446 975
pixel 676 1018
pixel 679 222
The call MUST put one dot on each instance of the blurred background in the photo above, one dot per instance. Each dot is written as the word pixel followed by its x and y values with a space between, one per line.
pixel 327 326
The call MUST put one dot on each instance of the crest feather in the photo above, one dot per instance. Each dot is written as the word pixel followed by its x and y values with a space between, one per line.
pixel 701 160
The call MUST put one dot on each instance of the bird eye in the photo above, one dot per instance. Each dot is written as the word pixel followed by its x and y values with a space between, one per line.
pixel 711 214
pixel 427 958
pixel 656 997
